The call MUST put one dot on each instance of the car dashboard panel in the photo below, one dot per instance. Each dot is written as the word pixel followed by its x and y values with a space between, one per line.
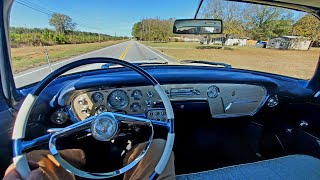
pixel 224 99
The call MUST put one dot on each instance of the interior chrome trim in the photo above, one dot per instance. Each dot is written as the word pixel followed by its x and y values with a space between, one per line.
pixel 75 127
pixel 317 94
pixel 249 97
pixel 261 104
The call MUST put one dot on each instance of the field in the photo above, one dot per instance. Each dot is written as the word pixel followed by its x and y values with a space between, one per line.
pixel 299 64
pixel 29 57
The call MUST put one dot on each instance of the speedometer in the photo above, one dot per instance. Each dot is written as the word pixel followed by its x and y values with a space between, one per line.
pixel 118 99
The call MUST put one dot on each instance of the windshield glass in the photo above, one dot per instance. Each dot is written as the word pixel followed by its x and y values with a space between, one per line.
pixel 46 35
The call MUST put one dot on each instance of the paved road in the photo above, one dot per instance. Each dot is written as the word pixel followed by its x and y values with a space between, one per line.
pixel 129 51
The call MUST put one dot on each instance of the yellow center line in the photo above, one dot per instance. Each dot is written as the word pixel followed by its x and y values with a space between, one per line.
pixel 124 54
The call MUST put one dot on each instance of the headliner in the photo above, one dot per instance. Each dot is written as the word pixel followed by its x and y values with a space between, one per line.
pixel 310 6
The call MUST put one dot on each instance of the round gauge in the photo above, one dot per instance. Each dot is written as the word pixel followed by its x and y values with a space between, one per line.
pixel 97 97
pixel 213 92
pixel 136 94
pixel 118 99
pixel 135 107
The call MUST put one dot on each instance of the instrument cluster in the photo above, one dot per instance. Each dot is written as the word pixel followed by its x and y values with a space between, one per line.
pixel 121 100
pixel 224 100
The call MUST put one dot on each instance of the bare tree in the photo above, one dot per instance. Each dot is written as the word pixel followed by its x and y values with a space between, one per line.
pixel 62 22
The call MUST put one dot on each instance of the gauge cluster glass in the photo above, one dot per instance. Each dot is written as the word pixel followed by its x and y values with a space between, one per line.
pixel 135 107
pixel 137 94
pixel 118 99
pixel 213 91
pixel 97 97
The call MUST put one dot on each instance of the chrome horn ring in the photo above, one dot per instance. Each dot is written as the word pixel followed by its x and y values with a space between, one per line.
pixel 91 123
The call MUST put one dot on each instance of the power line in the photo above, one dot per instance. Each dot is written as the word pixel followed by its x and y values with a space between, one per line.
pixel 36 9
pixel 37 6
pixel 47 11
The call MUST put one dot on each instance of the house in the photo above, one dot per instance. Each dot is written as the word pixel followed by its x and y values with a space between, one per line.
pixel 289 42
pixel 236 42
pixel 230 41
pixel 187 38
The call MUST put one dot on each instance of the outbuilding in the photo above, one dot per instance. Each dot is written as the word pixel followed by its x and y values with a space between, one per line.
pixel 289 42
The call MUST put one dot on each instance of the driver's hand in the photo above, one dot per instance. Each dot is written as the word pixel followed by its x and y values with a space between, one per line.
pixel 12 174
pixel 47 167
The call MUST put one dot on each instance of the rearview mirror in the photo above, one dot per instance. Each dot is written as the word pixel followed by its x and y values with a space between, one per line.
pixel 197 26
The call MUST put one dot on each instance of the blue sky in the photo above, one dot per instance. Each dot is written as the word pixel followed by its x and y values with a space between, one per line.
pixel 103 16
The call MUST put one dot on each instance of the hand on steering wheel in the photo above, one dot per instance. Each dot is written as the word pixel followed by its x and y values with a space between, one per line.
pixel 104 126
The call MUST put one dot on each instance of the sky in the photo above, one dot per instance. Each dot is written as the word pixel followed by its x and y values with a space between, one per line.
pixel 114 17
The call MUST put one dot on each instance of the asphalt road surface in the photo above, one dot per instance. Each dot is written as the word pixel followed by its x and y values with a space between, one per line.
pixel 129 51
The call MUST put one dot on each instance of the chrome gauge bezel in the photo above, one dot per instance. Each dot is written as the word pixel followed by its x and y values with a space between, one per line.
pixel 132 106
pixel 121 107
pixel 216 91
pixel 93 97
pixel 133 95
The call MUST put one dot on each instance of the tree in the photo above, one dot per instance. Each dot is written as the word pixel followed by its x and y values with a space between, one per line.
pixel 230 13
pixel 153 29
pixel 265 22
pixel 62 22
pixel 137 31
pixel 246 20
pixel 307 26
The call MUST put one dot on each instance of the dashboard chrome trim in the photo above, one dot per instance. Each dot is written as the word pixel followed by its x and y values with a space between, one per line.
pixel 252 98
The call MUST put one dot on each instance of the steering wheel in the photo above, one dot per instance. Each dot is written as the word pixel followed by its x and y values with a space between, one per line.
pixel 104 126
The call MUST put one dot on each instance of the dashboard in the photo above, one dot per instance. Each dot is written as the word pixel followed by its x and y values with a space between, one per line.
pixel 223 99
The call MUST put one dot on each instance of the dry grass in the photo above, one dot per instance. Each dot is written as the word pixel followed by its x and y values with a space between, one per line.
pixel 29 57
pixel 299 64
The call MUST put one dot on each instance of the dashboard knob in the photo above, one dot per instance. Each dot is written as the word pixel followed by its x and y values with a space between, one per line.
pixel 150 94
pixel 273 101
pixel 85 109
pixel 82 100
pixel 59 117
pixel 148 103
pixel 303 124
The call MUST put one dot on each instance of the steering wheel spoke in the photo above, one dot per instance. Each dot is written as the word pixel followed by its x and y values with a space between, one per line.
pixel 74 128
pixel 128 119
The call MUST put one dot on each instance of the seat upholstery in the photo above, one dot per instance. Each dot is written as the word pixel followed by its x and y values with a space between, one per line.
pixel 287 167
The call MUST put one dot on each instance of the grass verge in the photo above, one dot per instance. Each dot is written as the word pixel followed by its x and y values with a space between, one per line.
pixel 293 63
pixel 29 57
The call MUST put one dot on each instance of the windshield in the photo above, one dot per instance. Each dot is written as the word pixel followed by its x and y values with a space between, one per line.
pixel 46 35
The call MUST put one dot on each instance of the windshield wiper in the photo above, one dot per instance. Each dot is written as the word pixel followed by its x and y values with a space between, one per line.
pixel 206 62
pixel 148 63
pixel 108 65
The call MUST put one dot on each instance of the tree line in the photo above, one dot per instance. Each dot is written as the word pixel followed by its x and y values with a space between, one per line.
pixel 241 20
pixel 261 22
pixel 153 29
pixel 63 33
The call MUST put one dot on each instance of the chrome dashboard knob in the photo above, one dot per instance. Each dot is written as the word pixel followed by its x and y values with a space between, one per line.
pixel 81 100
pixel 273 101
